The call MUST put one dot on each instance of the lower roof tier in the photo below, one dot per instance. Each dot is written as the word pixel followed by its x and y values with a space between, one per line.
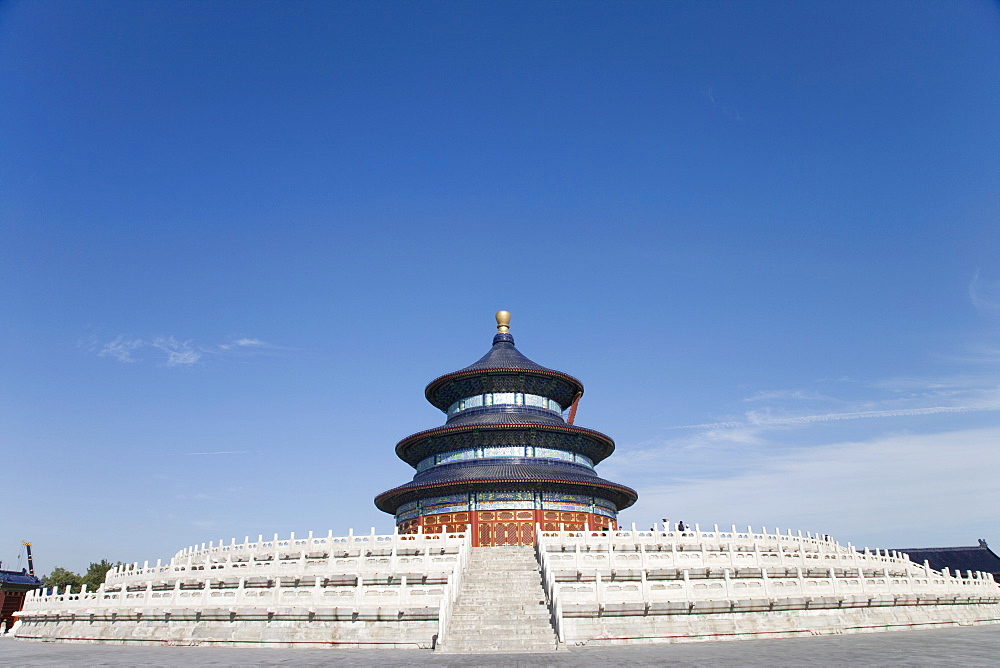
pixel 592 444
pixel 504 474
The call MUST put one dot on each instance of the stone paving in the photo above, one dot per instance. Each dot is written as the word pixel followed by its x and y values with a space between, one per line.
pixel 967 646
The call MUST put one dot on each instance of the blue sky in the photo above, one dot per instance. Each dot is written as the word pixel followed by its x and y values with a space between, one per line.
pixel 237 239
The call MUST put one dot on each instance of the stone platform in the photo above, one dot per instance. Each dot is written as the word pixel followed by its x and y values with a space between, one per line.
pixel 634 587
pixel 573 588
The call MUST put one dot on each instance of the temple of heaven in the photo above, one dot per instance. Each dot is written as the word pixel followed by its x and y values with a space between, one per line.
pixel 505 461
pixel 506 540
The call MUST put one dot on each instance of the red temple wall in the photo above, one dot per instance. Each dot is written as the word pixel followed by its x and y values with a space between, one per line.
pixel 506 527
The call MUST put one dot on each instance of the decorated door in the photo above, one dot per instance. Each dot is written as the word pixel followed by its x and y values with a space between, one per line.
pixel 506 533
pixel 505 527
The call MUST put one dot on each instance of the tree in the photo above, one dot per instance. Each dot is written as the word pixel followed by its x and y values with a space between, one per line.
pixel 94 577
pixel 60 578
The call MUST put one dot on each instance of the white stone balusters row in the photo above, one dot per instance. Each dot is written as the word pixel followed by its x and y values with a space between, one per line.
pixel 398 570
pixel 550 586
pixel 622 566
pixel 454 586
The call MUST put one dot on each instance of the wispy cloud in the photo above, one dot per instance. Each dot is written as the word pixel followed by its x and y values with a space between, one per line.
pixel 906 396
pixel 787 394
pixel 731 112
pixel 221 452
pixel 248 342
pixel 758 418
pixel 121 349
pixel 888 490
pixel 194 496
pixel 179 353
pixel 243 343
pixel 984 294
pixel 785 421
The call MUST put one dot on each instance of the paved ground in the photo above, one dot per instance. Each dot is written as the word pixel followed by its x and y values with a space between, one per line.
pixel 968 646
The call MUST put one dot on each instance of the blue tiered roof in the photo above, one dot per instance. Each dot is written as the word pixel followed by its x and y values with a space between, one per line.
pixel 504 431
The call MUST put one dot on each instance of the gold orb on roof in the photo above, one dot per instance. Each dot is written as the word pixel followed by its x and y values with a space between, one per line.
pixel 503 320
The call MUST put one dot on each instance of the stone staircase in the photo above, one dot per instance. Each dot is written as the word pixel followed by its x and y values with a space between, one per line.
pixel 501 605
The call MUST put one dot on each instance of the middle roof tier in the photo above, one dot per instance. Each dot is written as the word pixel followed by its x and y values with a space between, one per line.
pixel 513 430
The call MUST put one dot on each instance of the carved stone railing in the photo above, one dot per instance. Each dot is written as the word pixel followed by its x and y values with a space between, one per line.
pixel 352 572
pixel 666 567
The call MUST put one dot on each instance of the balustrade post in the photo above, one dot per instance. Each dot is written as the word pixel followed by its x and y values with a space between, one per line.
pixel 241 592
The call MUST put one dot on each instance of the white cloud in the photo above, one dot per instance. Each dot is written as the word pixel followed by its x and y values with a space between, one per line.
pixel 179 353
pixel 249 342
pixel 908 396
pixel 764 418
pixel 948 385
pixel 121 349
pixel 243 343
pixel 985 295
pixel 852 478
pixel 896 490
pixel 787 394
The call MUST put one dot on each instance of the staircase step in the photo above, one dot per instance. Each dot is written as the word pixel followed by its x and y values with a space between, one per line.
pixel 498 634
pixel 501 605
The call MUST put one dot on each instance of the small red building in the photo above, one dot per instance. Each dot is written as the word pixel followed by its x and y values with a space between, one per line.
pixel 13 586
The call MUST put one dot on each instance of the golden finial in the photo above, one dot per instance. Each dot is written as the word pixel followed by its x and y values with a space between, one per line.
pixel 503 320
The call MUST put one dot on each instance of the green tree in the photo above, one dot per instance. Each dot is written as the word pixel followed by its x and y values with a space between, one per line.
pixel 94 577
pixel 60 577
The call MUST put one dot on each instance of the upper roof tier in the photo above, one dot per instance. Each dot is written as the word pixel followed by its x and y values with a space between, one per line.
pixel 503 369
